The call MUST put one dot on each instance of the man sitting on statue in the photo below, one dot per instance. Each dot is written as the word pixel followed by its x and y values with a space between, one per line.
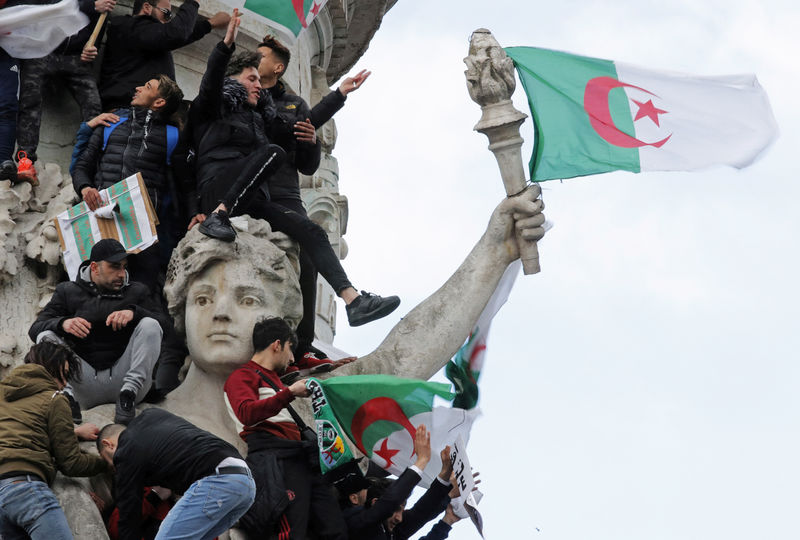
pixel 280 460
pixel 293 121
pixel 112 325
pixel 230 120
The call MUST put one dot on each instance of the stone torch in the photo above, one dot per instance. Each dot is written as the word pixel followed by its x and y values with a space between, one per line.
pixel 490 81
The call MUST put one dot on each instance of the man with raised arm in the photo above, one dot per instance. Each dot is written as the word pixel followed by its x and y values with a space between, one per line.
pixel 231 120
pixel 139 46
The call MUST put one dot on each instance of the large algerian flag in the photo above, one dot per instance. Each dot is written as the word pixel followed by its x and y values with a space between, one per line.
pixel 593 116
pixel 465 367
pixel 380 414
pixel 287 17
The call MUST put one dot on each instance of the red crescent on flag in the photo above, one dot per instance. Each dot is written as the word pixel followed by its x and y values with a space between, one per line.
pixel 300 10
pixel 595 103
pixel 380 408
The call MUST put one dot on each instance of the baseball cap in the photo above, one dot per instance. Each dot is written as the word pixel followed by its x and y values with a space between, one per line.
pixel 108 250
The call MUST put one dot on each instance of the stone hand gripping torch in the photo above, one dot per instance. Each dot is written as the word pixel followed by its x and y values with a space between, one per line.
pixel 490 81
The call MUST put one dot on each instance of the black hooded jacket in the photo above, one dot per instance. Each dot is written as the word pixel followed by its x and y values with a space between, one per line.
pixel 82 298
pixel 225 128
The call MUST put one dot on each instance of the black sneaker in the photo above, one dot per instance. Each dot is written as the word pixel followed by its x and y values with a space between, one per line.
pixel 75 408
pixel 126 407
pixel 369 307
pixel 8 171
pixel 218 225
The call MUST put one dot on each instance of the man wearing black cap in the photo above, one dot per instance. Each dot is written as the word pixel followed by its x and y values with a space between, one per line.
pixel 112 325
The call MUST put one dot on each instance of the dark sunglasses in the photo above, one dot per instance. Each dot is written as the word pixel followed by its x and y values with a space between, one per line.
pixel 167 12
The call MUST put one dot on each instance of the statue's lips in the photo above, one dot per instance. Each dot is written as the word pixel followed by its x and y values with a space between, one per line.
pixel 221 336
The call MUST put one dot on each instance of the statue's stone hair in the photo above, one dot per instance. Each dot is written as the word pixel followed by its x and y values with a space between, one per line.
pixel 273 256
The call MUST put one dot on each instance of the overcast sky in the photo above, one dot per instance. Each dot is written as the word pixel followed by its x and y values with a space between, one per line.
pixel 644 384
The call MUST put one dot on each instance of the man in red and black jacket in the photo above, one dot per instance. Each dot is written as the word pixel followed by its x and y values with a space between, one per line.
pixel 291 495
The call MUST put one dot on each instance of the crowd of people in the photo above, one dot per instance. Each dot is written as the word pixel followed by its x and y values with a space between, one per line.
pixel 106 336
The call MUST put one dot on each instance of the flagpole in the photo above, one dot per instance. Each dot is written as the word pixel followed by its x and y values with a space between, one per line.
pixel 491 81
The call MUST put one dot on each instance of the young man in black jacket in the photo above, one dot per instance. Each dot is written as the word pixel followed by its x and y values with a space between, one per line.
pixel 141 141
pixel 293 123
pixel 161 449
pixel 231 121
pixel 112 325
pixel 139 47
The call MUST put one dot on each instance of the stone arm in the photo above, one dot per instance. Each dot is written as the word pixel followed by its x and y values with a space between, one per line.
pixel 64 446
pixel 52 316
pixel 87 162
pixel 430 505
pixel 326 108
pixel 170 36
pixel 359 519
pixel 425 339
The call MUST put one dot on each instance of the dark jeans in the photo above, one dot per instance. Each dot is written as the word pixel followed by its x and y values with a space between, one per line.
pixel 252 200
pixel 9 102
pixel 308 286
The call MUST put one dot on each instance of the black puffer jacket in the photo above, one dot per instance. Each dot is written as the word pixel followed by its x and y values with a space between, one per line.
pixel 138 144
pixel 139 48
pixel 81 298
pixel 300 156
pixel 225 128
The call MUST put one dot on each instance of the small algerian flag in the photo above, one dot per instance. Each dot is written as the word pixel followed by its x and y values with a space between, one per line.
pixel 380 414
pixel 593 116
pixel 465 367
pixel 287 17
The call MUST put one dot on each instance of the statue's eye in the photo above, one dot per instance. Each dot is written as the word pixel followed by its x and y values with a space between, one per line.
pixel 250 301
pixel 202 300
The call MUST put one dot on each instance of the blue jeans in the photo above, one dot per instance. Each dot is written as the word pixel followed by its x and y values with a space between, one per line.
pixel 209 507
pixel 30 509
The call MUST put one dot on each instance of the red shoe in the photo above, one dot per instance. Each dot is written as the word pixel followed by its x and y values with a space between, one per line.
pixel 26 172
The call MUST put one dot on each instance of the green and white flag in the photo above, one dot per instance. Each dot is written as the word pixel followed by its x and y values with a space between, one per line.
pixel 127 215
pixel 333 450
pixel 592 116
pixel 380 414
pixel 287 17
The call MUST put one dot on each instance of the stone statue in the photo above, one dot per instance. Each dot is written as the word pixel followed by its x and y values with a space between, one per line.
pixel 216 291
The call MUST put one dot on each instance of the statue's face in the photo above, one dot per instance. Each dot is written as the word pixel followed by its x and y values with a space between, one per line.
pixel 222 307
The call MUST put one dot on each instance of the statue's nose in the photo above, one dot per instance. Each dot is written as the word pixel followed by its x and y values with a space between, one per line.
pixel 222 308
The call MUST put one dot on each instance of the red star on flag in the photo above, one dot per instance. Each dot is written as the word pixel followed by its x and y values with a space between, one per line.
pixel 315 9
pixel 649 110
pixel 386 453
